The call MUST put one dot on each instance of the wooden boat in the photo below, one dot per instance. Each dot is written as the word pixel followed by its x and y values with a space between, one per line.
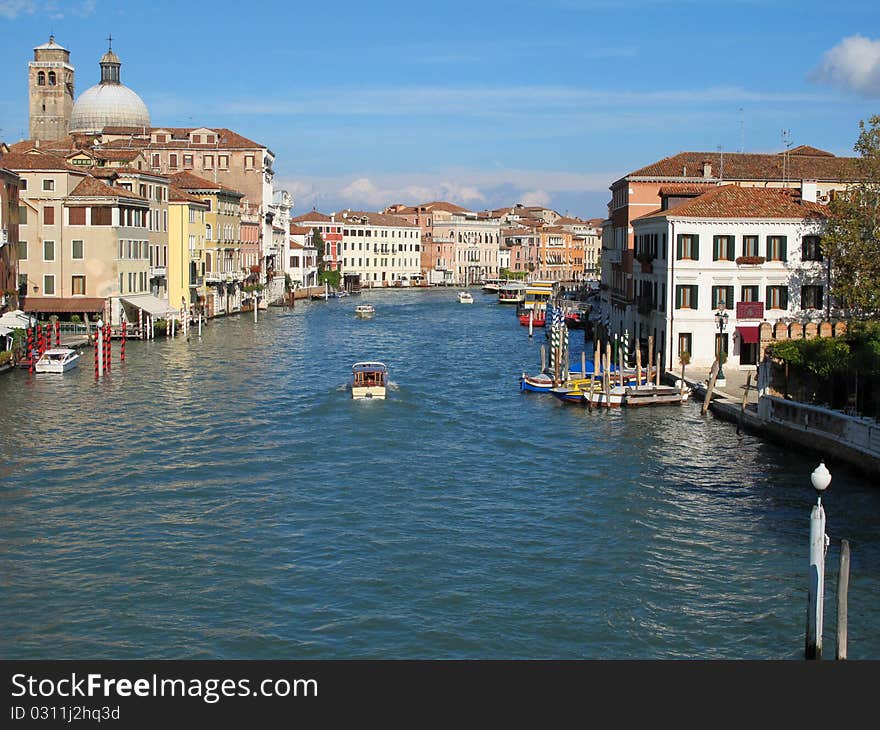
pixel 512 292
pixel 57 360
pixel 655 395
pixel 465 297
pixel 364 310
pixel 368 380
pixel 572 391
pixel 542 382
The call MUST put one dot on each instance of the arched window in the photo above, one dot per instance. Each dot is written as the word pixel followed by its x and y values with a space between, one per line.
pixel 41 78
pixel 51 78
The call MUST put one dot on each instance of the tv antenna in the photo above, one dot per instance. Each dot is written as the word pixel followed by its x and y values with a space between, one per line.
pixel 721 171
pixel 786 143
pixel 742 132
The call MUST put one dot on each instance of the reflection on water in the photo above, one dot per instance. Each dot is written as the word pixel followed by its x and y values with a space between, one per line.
pixel 226 498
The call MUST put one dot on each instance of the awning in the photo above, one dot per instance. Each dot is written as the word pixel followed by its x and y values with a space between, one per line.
pixel 4 330
pixel 63 305
pixel 748 335
pixel 150 304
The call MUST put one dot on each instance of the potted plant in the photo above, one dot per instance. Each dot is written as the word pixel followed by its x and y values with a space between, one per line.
pixel 749 260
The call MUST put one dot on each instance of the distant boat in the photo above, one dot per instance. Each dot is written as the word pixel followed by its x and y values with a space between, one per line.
pixel 57 360
pixel 465 297
pixel 539 318
pixel 512 292
pixel 491 286
pixel 364 310
pixel 368 380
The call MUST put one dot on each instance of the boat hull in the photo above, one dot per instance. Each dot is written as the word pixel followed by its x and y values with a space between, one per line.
pixel 57 365
pixel 372 392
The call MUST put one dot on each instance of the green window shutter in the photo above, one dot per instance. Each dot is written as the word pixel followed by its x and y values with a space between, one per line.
pixel 696 248
pixel 731 253
pixel 694 302
pixel 783 245
pixel 678 297
pixel 783 297
pixel 729 296
pixel 715 246
pixel 678 246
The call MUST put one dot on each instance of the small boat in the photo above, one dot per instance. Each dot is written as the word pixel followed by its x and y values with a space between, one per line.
pixel 655 395
pixel 465 297
pixel 57 360
pixel 491 286
pixel 542 382
pixel 539 318
pixel 512 292
pixel 368 380
pixel 364 310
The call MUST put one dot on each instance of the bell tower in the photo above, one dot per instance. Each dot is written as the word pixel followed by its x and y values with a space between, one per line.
pixel 50 89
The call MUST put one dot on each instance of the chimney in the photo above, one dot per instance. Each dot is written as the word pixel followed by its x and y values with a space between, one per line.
pixel 707 168
pixel 809 190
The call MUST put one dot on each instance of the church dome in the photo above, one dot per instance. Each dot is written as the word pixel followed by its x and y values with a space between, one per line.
pixel 108 104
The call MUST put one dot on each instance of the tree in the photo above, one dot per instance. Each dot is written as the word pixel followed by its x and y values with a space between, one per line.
pixel 852 236
pixel 318 243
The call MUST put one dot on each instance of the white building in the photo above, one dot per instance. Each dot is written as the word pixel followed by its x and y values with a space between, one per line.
pixel 300 258
pixel 385 250
pixel 752 253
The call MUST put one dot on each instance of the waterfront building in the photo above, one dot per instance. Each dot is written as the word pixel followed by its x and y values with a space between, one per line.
pixel 281 205
pixel 476 241
pixel 751 253
pixel 186 256
pixel 587 237
pixel 50 91
pixel 83 242
pixel 522 244
pixel 250 231
pixel 300 260
pixel 558 257
pixel 385 250
pixel 815 173
pixel 330 228
pixel 9 217
pixel 223 268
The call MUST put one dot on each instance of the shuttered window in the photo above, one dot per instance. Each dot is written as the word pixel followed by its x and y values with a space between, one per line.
pixel 722 248
pixel 777 297
pixel 688 247
pixel 686 296
pixel 722 296
pixel 776 248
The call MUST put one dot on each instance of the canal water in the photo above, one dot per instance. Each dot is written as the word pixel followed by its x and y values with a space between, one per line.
pixel 225 498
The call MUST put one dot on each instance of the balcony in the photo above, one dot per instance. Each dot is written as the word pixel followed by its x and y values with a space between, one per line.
pixel 196 280
pixel 158 272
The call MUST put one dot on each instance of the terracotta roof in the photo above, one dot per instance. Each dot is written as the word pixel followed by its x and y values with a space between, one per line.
pixel 313 215
pixel 225 138
pixel 805 149
pixel 36 161
pixel 299 230
pixel 63 304
pixel 91 187
pixel 116 154
pixel 442 205
pixel 375 219
pixel 177 195
pixel 733 201
pixel 188 181
pixel 686 188
pixel 295 245
pixel 747 166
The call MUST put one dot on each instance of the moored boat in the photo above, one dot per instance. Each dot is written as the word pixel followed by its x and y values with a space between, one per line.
pixel 491 286
pixel 655 395
pixel 512 292
pixel 368 380
pixel 538 317
pixel 57 360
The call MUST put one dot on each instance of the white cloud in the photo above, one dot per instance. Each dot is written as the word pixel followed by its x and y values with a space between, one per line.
pixel 14 8
pixel 852 64
pixel 535 197
pixel 53 8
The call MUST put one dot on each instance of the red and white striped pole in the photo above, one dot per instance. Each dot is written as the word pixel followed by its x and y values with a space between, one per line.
pixel 141 324
pixel 122 346
pixel 30 349
pixel 107 346
pixel 39 340
pixel 99 362
pixel 57 333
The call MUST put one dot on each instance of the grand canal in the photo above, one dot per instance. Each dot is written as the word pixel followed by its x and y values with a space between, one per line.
pixel 225 498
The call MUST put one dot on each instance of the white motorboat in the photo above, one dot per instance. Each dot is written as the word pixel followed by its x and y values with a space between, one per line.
pixel 57 360
pixel 465 297
pixel 368 380
pixel 364 310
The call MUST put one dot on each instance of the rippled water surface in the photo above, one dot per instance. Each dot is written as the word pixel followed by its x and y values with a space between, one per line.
pixel 227 499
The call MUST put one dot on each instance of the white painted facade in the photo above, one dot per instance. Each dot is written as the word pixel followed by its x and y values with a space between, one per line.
pixel 384 250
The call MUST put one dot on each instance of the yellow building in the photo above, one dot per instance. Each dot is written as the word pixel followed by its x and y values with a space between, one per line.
pixel 186 248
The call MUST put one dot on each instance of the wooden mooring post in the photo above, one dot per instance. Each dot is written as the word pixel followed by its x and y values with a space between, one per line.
pixel 745 399
pixel 713 376
pixel 842 598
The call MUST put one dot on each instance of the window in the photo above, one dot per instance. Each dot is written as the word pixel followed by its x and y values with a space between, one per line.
pixel 776 248
pixel 78 285
pixel 811 297
pixel 77 216
pixel 811 248
pixel 684 342
pixel 48 184
pixel 750 246
pixel 23 184
pixel 223 161
pixel 49 215
pixel 722 248
pixel 41 78
pixel 49 285
pixel 248 162
pixel 722 296
pixel 208 162
pixel 76 249
pixel 197 139
pixel 172 160
pixel 53 79
pixel 207 201
pixel 155 160
pixel 102 216
pixel 22 215
pixel 686 297
pixel 777 297
pixel 749 293
pixel 22 250
pixel 188 161
pixel 209 231
pixel 688 246
pixel 48 250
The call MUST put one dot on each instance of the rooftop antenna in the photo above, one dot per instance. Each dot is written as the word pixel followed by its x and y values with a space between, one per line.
pixel 786 142
pixel 742 132
pixel 721 171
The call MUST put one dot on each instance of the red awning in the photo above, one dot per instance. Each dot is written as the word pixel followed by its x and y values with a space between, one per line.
pixel 63 305
pixel 749 335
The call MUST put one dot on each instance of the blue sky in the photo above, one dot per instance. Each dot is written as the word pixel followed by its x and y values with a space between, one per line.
pixel 480 103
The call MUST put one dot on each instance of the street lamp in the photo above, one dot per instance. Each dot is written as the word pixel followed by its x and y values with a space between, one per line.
pixel 721 317
pixel 820 479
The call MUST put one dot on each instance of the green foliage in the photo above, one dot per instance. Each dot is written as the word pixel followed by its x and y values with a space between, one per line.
pixel 508 274
pixel 318 243
pixel 5 356
pixel 251 288
pixel 75 319
pixel 332 278
pixel 684 358
pixel 852 236
pixel 820 356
